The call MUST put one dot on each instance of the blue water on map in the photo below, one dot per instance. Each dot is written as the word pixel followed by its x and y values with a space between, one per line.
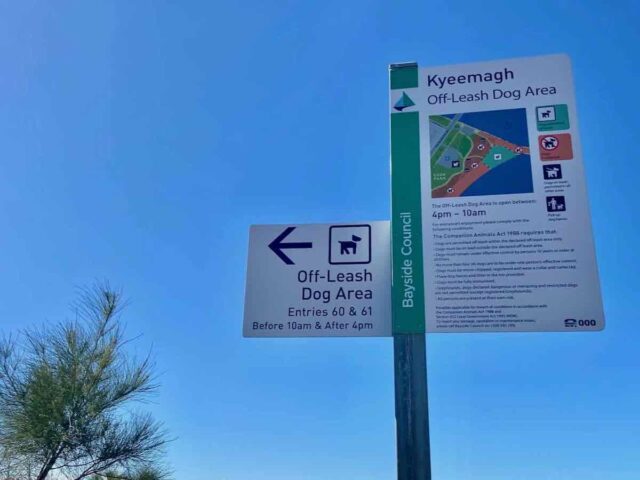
pixel 513 176
pixel 511 125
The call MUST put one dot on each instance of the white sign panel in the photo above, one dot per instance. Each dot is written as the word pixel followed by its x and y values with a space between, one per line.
pixel 507 239
pixel 318 281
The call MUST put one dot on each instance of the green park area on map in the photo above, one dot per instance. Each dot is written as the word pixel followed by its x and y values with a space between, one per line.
pixel 461 154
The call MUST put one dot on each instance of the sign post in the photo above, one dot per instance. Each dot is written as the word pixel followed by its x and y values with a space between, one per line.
pixel 490 231
pixel 412 411
pixel 408 312
pixel 489 206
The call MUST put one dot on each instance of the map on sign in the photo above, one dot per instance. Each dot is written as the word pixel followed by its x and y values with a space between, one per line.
pixel 480 153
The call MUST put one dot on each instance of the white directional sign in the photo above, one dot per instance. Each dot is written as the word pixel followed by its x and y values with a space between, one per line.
pixel 329 280
pixel 491 221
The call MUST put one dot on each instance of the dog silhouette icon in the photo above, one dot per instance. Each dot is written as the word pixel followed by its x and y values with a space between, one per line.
pixel 348 247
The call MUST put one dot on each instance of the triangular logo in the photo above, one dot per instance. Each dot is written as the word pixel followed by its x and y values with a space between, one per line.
pixel 404 102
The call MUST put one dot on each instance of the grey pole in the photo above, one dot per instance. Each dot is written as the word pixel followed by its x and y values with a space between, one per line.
pixel 412 411
pixel 408 311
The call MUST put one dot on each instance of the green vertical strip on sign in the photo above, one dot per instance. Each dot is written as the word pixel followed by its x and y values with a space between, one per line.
pixel 406 225
pixel 406 219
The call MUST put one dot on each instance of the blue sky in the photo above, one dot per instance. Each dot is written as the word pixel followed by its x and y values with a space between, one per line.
pixel 139 140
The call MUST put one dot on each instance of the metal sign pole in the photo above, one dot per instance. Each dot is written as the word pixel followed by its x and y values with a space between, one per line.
pixel 408 312
pixel 412 411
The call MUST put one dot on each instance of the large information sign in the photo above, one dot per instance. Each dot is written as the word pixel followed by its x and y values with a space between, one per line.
pixel 490 217
pixel 319 280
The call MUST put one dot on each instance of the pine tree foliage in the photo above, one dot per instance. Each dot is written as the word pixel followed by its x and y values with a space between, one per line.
pixel 66 398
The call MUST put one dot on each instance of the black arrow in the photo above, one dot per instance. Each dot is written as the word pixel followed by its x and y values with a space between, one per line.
pixel 277 246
